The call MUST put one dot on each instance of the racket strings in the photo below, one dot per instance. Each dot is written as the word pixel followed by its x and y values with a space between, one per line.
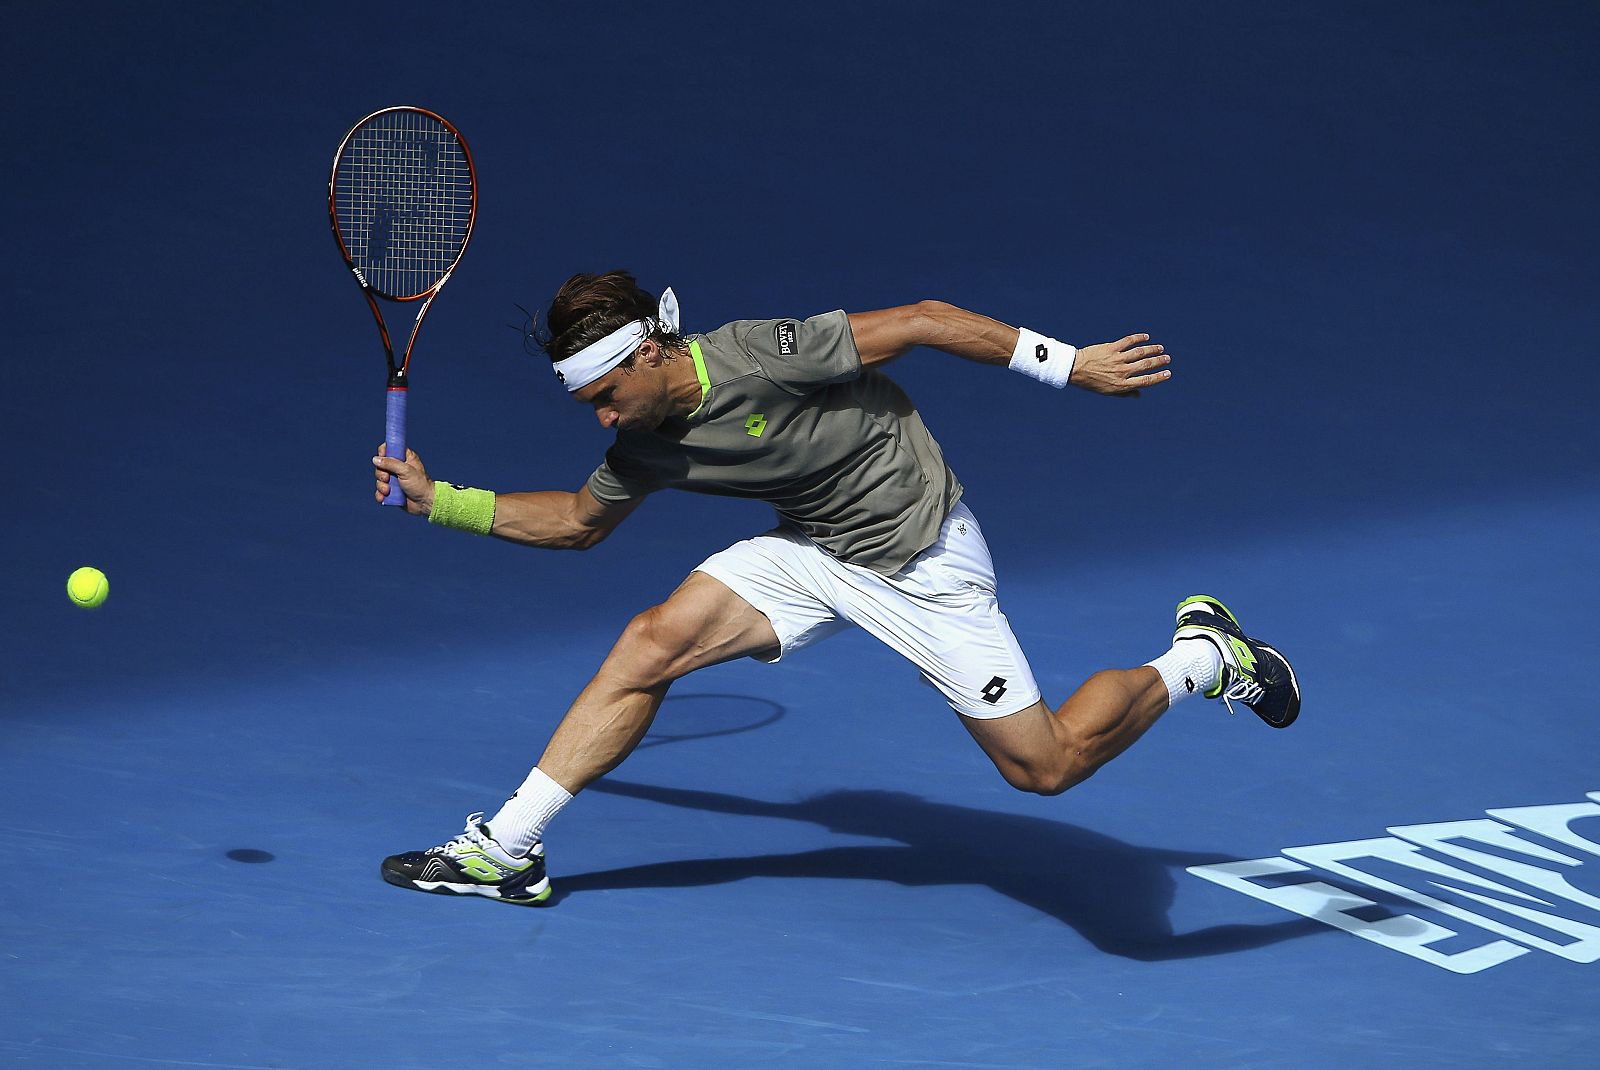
pixel 403 197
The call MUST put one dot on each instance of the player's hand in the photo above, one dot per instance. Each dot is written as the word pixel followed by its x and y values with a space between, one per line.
pixel 1121 368
pixel 414 481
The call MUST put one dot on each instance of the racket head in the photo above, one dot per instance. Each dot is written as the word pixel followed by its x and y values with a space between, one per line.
pixel 402 199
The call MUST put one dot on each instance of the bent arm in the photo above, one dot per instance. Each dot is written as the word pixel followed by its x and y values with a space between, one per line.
pixel 554 519
pixel 557 519
pixel 1119 368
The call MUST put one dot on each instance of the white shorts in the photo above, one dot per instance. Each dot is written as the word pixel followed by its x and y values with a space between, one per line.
pixel 940 611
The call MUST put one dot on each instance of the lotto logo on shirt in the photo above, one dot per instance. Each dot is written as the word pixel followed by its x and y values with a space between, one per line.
pixel 786 331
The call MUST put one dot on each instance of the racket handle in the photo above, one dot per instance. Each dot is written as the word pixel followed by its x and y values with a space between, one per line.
pixel 394 440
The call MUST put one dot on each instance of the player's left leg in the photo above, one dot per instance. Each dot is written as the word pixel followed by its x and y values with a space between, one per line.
pixel 942 612
pixel 1048 751
pixel 1045 751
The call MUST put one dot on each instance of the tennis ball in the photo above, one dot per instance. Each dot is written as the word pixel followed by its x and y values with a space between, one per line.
pixel 88 587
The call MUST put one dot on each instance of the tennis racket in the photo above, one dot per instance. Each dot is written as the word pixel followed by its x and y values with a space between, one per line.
pixel 401 201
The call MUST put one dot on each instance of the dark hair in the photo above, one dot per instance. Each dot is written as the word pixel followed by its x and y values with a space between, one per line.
pixel 589 307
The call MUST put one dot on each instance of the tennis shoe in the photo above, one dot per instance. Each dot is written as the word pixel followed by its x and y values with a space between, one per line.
pixel 1252 672
pixel 473 863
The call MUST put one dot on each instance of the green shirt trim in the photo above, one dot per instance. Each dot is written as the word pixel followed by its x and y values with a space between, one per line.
pixel 700 373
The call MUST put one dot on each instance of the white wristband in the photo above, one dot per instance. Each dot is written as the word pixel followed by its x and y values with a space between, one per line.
pixel 1042 358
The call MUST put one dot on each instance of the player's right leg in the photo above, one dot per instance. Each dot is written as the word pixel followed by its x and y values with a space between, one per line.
pixel 702 623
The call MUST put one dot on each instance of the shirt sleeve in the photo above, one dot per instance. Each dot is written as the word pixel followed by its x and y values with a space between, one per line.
pixel 802 355
pixel 620 479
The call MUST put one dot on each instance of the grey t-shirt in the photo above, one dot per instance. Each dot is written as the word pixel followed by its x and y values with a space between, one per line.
pixel 788 416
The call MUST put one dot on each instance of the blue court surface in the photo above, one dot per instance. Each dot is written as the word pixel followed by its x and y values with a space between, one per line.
pixel 1367 233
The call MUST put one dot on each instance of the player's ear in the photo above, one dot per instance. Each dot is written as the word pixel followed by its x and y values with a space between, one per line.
pixel 650 352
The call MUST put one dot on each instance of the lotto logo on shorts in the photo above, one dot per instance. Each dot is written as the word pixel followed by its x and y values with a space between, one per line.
pixel 1465 896
pixel 993 690
pixel 787 344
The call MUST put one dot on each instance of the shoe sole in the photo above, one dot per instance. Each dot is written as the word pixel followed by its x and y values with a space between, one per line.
pixel 482 892
pixel 1294 682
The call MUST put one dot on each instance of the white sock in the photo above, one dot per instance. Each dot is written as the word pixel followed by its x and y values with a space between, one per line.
pixel 1191 667
pixel 521 821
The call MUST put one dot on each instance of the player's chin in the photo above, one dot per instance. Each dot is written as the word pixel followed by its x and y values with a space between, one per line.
pixel 647 422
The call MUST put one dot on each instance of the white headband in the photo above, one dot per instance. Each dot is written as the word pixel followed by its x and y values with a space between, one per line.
pixel 597 358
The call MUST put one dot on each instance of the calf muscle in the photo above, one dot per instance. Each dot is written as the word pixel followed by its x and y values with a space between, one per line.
pixel 1046 752
pixel 702 623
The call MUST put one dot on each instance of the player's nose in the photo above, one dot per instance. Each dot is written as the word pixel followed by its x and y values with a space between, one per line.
pixel 608 417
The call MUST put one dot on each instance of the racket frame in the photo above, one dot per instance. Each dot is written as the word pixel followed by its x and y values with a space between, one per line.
pixel 398 381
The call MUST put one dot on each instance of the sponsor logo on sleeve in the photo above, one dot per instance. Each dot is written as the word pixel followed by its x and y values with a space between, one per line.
pixel 788 334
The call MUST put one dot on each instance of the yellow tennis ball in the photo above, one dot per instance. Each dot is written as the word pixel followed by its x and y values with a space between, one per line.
pixel 88 587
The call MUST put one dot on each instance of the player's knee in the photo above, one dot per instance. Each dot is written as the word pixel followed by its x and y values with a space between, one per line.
pixel 1046 779
pixel 1036 783
pixel 650 649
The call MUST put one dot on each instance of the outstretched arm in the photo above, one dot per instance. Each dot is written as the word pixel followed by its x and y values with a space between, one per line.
pixel 552 519
pixel 1122 367
pixel 556 519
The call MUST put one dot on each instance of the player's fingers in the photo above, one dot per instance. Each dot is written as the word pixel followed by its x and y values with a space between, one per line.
pixel 1132 340
pixel 387 464
pixel 1141 352
pixel 1160 360
pixel 1137 381
pixel 383 449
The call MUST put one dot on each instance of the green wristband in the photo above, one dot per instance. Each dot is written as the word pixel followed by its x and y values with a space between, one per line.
pixel 462 508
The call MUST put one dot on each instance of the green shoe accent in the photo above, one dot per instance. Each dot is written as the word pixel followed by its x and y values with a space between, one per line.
pixel 479 867
pixel 1216 689
pixel 1207 604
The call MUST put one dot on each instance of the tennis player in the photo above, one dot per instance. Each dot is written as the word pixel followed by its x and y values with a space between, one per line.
pixel 872 532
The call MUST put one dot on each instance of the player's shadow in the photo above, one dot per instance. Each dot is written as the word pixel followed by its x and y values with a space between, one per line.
pixel 1117 895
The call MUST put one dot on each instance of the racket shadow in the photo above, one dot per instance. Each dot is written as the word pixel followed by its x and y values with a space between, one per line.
pixel 707 716
pixel 1116 895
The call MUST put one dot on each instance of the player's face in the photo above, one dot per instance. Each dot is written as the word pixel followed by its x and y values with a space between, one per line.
pixel 629 399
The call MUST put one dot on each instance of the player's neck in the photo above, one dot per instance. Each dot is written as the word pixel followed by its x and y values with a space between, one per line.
pixel 683 383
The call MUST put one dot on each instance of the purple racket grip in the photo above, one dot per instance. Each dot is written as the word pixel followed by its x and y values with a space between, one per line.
pixel 394 439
